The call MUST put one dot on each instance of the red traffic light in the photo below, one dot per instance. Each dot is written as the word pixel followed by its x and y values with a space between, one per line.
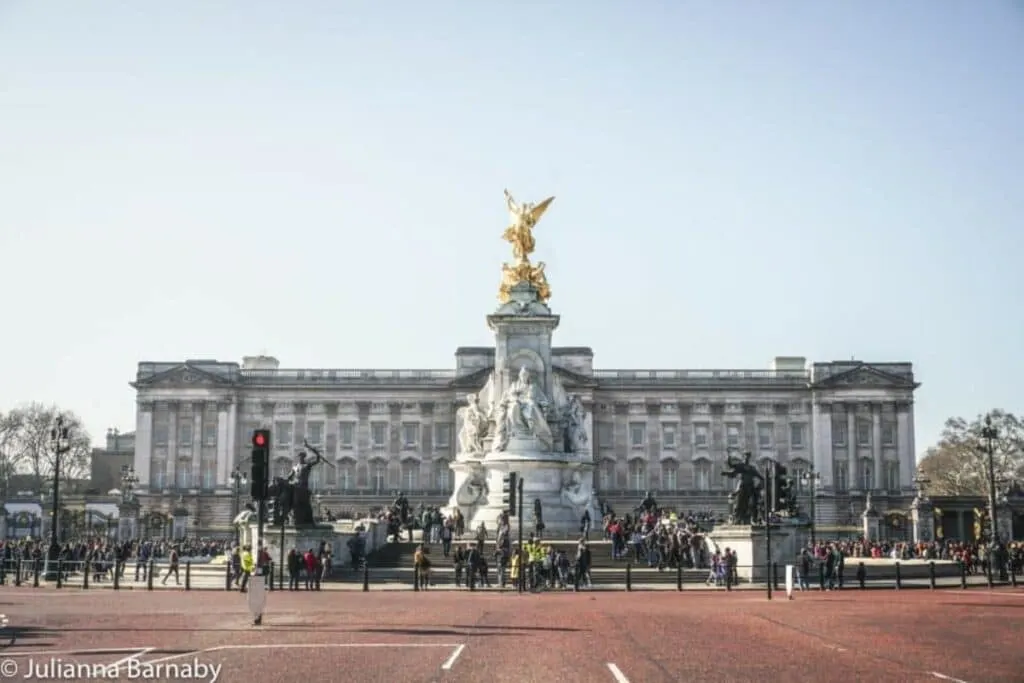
pixel 260 438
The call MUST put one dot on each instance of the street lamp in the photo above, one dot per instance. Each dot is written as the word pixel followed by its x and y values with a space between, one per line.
pixel 128 482
pixel 238 481
pixel 989 434
pixel 60 442
pixel 810 480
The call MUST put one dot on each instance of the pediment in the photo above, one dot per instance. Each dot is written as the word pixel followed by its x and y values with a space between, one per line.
pixel 574 379
pixel 183 375
pixel 866 376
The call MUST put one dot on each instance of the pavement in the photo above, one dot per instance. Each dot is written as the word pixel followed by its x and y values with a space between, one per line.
pixel 436 637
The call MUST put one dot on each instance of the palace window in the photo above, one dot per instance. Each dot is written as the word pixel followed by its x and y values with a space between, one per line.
pixel 888 433
pixel 282 435
pixel 346 435
pixel 839 433
pixel 315 433
pixel 159 476
pixel 282 467
pixel 161 429
pixel 185 434
pixel 764 436
pixel 183 476
pixel 209 475
pixel 668 436
pixel 442 437
pixel 892 476
pixel 210 433
pixel 316 478
pixel 841 472
pixel 867 475
pixel 702 475
pixel 605 476
pixel 638 475
pixel 863 433
pixel 410 476
pixel 797 432
pixel 700 435
pixel 637 434
pixel 346 477
pixel 732 435
pixel 604 435
pixel 410 436
pixel 670 476
pixel 442 475
pixel 380 478
pixel 378 435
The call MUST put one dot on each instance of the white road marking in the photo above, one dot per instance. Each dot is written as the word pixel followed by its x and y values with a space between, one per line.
pixel 450 662
pixel 295 646
pixel 124 660
pixel 947 678
pixel 130 651
pixel 617 673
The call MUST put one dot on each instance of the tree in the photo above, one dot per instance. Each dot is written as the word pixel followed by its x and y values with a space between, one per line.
pixel 28 449
pixel 10 429
pixel 958 464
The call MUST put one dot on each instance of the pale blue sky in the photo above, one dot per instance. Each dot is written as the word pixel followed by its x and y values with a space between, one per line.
pixel 735 180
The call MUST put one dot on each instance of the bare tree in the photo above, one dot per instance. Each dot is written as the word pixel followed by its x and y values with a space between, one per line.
pixel 33 449
pixel 958 463
pixel 10 454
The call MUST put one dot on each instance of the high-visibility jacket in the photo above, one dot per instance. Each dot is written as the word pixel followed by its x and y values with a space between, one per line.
pixel 247 562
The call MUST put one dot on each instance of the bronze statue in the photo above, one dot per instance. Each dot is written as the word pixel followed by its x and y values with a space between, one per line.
pixel 743 501
pixel 291 495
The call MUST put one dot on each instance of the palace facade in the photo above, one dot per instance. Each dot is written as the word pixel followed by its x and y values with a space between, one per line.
pixel 848 424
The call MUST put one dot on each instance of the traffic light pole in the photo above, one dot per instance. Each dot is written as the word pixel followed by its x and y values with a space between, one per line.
pixel 522 555
pixel 769 488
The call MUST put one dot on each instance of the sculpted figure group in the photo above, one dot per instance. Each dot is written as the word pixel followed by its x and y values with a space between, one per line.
pixel 523 411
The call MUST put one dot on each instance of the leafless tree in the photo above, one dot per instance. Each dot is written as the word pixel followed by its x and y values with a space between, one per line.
pixel 10 431
pixel 31 448
pixel 958 463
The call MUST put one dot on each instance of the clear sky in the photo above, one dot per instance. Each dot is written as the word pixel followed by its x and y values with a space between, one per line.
pixel 322 182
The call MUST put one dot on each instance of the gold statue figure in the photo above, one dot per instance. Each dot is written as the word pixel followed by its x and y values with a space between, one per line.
pixel 520 233
pixel 523 272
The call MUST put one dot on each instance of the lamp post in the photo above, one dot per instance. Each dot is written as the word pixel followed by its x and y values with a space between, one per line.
pixel 989 434
pixel 60 442
pixel 129 480
pixel 238 481
pixel 810 480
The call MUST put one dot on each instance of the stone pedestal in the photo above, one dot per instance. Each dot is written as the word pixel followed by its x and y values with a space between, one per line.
pixel 1004 518
pixel 128 521
pixel 922 519
pixel 336 535
pixel 869 521
pixel 751 546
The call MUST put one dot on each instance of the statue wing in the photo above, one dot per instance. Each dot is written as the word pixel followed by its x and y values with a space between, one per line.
pixel 539 210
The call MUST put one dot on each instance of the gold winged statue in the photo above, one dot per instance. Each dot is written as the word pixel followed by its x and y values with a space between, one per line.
pixel 520 232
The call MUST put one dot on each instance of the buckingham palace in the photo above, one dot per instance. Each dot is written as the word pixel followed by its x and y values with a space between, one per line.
pixel 850 423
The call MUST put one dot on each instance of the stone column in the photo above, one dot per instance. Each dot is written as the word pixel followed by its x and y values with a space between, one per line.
pixel 143 442
pixel 620 439
pixel 821 442
pixel 331 447
pixel 654 445
pixel 922 517
pixel 854 473
pixel 876 446
pixel 223 453
pixel 904 445
pixel 172 444
pixel 426 445
pixel 198 408
pixel 362 438
pixel 232 439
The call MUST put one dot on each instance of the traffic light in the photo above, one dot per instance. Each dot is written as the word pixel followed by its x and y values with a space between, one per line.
pixel 260 463
pixel 508 493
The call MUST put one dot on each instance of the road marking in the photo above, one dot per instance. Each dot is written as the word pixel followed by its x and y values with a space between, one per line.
pixel 134 656
pixel 130 651
pixel 450 662
pixel 296 646
pixel 617 673
pixel 947 678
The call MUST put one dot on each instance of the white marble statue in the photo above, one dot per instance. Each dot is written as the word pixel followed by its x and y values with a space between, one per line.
pixel 575 425
pixel 473 490
pixel 525 408
pixel 474 427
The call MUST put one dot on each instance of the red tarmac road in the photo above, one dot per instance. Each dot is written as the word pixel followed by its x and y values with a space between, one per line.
pixel 970 636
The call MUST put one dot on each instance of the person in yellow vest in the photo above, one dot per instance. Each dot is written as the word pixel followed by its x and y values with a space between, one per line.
pixel 248 564
pixel 514 563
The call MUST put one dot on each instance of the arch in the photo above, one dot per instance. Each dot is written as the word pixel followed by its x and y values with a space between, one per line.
pixel 528 358
pixel 409 456
pixel 700 456
pixel 377 457
pixel 636 455
pixel 343 458
pixel 669 457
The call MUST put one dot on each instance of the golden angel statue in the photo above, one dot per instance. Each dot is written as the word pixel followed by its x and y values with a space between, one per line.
pixel 523 272
pixel 520 232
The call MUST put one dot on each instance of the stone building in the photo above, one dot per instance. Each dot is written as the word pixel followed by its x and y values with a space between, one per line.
pixel 850 422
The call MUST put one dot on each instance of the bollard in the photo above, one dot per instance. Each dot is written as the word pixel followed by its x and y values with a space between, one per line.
pixel 270 577
pixel 576 579
pixel 931 575
pixel 227 577
pixel 86 567
pixel 470 579
pixel 3 572
pixel 60 573
pixel 35 573
pixel 366 577
pixel 963 576
pixel 679 576
pixel 1013 575
pixel 149 575
pixel 415 578
pixel 117 574
pixel 899 576
pixel 821 576
pixel 188 576
pixel 988 575
pixel 862 575
pixel 629 576
pixel 775 575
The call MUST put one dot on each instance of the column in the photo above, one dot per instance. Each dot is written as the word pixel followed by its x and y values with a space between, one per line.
pixel 876 445
pixel 904 444
pixel 223 454
pixel 654 445
pixel 851 447
pixel 620 439
pixel 172 444
pixel 427 445
pixel 331 449
pixel 143 442
pixel 232 446
pixel 198 408
pixel 821 440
